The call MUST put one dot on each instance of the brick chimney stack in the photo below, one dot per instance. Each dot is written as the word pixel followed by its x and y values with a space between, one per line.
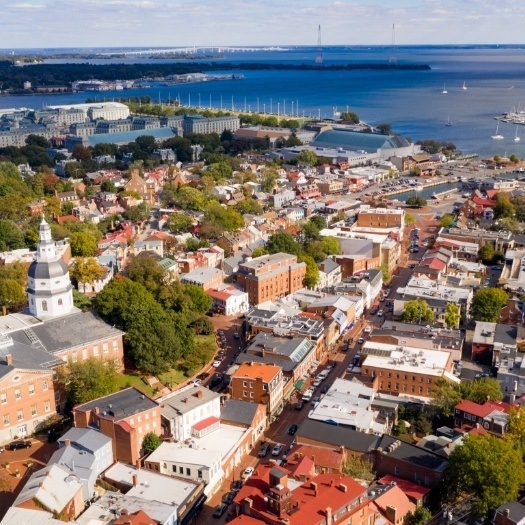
pixel 135 480
pixel 9 360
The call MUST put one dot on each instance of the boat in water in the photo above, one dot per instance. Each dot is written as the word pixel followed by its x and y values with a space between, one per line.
pixel 444 90
pixel 497 136
pixel 448 123
pixel 517 138
pixel 464 87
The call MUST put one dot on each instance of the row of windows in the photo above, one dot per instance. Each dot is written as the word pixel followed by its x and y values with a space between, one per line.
pixel 18 392
pixel 20 413
pixel 405 388
pixel 139 418
pixel 96 351
pixel 398 376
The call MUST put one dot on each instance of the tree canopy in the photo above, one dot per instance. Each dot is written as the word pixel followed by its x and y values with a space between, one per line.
pixel 452 315
pixel 417 311
pixel 151 442
pixel 487 304
pixel 416 201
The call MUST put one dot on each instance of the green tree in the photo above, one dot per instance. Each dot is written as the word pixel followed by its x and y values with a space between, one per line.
pixel 86 380
pixel 202 325
pixel 514 159
pixel 350 116
pixel 86 270
pixel 201 302
pixel 225 218
pixel 259 251
pixel 330 245
pixel 83 243
pixel 452 315
pixel 386 273
pixel 481 390
pixel 151 442
pixel 488 468
pixel 417 311
pixel 81 301
pixel 446 221
pixel 310 233
pixel 12 294
pixel 179 222
pixel 188 198
pixel 487 304
pixel 486 253
pixel 420 516
pixel 270 176
pixel 416 201
pixel 409 219
pixel 11 236
pixel 385 129
pixel 358 468
pixel 445 396
pixel 137 213
pixel 503 207
pixel 146 271
pixel 283 242
pixel 319 221
pixel 307 157
pixel 311 277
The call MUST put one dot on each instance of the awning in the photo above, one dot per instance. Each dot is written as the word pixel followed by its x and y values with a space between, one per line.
pixel 299 384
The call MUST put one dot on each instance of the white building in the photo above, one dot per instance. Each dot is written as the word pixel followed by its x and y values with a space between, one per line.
pixel 50 291
pixel 99 110
pixel 228 300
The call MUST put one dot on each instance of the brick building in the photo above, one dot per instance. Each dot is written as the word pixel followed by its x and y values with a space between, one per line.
pixel 271 277
pixel 126 417
pixel 259 383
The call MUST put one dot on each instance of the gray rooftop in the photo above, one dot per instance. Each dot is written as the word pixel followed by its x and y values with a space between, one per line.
pixel 125 137
pixel 185 401
pixel 85 438
pixel 237 411
pixel 122 404
pixel 505 334
pixel 353 140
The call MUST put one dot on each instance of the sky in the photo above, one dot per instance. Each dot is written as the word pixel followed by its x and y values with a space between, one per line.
pixel 175 23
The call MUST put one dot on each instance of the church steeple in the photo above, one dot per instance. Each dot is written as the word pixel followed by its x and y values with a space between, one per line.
pixel 49 290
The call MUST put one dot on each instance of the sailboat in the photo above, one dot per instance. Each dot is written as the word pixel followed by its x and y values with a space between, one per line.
pixel 497 136
pixel 448 123
pixel 464 87
pixel 444 90
pixel 517 138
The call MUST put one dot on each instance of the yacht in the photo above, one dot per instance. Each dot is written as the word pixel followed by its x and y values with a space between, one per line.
pixel 497 136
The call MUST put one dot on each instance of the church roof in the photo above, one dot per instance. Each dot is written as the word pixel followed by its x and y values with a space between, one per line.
pixel 47 270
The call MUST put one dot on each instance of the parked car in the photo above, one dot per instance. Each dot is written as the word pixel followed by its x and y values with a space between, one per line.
pixel 293 429
pixel 299 405
pixel 220 510
pixel 315 400
pixel 21 443
pixel 236 486
pixel 216 364
pixel 360 340
pixel 236 336
pixel 228 497
pixel 277 449
pixel 373 311
pixel 324 390
pixel 368 329
pixel 247 473
pixel 264 450
pixel 380 313
pixel 203 376
pixel 317 382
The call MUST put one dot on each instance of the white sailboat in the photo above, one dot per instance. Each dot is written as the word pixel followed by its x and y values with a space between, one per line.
pixel 464 87
pixel 444 90
pixel 497 136
pixel 448 123
pixel 517 138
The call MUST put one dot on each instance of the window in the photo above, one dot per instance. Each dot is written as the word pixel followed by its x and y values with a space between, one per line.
pixel 188 471
pixel 416 476
pixel 45 385
pixel 3 398
pixel 396 471
pixel 31 390
pixel 47 406
pixel 6 419
pixel 18 395
pixel 245 384
pixel 174 468
pixel 20 415
pixel 44 306
pixel 105 348
pixel 251 395
pixel 181 470
pixel 244 393
pixel 199 473
pixel 60 302
pixel 33 411
pixel 95 350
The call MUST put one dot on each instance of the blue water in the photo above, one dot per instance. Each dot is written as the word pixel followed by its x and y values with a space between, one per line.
pixel 411 101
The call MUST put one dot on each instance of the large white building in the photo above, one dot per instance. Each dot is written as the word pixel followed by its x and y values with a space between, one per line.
pixel 99 110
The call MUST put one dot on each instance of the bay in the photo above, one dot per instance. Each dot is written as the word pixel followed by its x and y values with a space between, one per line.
pixel 411 101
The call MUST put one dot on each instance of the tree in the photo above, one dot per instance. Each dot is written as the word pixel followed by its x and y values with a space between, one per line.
pixel 319 221
pixel 146 271
pixel 11 236
pixel 446 395
pixel 486 253
pixel 387 275
pixel 86 270
pixel 179 222
pixel 452 315
pixel 201 302
pixel 514 159
pixel 488 468
pixel 417 311
pixel 503 207
pixel 481 390
pixel 81 301
pixel 202 325
pixel 12 294
pixel 151 442
pixel 416 201
pixel 446 221
pixel 409 219
pixel 307 157
pixel 83 243
pixel 358 468
pixel 223 217
pixel 419 517
pixel 310 232
pixel 188 198
pixel 81 152
pixel 385 129
pixel 311 277
pixel 268 181
pixel 330 245
pixel 137 213
pixel 350 116
pixel 87 380
pixel 283 242
pixel 487 304
pixel 516 427
pixel 259 251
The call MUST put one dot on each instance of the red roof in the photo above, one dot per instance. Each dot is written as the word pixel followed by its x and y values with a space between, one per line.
pixel 205 423
pixel 396 498
pixel 483 202
pixel 223 296
pixel 414 491
pixel 483 410
pixel 322 456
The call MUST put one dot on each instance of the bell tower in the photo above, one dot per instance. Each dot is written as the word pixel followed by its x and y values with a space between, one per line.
pixel 49 290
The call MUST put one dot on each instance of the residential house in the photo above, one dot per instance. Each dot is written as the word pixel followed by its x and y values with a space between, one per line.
pixel 228 300
pixel 394 505
pixel 206 278
pixel 510 513
pixel 492 416
pixel 330 273
pixel 126 417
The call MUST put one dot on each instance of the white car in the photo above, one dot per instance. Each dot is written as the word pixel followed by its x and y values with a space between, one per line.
pixel 247 472
pixel 317 382
pixel 380 313
pixel 368 329
pixel 216 364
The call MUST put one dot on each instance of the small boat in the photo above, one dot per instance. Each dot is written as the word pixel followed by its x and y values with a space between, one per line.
pixel 464 87
pixel 497 136
pixel 448 123
pixel 517 138
pixel 444 90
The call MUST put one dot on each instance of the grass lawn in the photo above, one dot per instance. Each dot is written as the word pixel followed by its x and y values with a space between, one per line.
pixel 126 380
pixel 177 376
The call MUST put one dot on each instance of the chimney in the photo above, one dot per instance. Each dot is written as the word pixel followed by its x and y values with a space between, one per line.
pixel 328 516
pixel 391 512
pixel 67 442
pixel 247 506
pixel 97 410
pixel 506 513
pixel 9 360
pixel 198 394
pixel 41 485
pixel 135 480
pixel 313 485
pixel 48 473
pixel 4 310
